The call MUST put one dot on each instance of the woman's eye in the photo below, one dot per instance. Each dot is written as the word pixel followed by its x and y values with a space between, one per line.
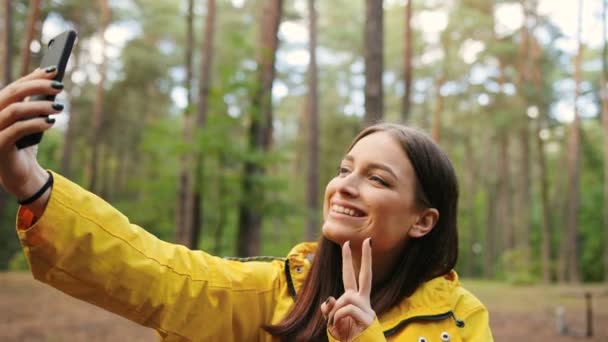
pixel 342 171
pixel 378 180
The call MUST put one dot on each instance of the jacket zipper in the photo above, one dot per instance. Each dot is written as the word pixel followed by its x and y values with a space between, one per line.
pixel 427 318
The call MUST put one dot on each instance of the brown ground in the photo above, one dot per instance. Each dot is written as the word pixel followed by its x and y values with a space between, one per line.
pixel 30 311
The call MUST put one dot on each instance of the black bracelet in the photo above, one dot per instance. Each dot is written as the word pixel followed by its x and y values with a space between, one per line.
pixel 45 187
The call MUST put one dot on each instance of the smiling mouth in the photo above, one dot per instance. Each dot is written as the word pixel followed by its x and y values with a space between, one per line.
pixel 346 211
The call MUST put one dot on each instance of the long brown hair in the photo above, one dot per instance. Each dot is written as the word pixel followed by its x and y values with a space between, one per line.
pixel 422 259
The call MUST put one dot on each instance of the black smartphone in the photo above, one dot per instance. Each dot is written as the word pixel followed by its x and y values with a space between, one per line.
pixel 57 54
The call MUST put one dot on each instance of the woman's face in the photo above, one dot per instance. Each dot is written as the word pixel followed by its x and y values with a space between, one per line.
pixel 372 195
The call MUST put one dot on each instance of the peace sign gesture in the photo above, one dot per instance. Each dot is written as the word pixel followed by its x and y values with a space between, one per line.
pixel 352 313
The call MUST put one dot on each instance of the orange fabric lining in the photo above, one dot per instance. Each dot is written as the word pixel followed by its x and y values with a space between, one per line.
pixel 25 218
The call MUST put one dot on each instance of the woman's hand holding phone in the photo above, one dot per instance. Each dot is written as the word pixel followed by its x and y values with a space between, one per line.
pixel 20 173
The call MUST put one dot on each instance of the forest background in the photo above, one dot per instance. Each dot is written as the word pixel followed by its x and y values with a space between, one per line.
pixel 217 124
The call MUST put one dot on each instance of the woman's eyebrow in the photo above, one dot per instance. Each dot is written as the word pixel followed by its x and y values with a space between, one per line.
pixel 374 165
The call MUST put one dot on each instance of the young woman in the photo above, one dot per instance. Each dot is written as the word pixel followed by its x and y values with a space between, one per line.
pixel 383 269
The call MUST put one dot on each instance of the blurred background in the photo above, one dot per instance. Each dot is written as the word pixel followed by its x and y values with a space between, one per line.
pixel 217 124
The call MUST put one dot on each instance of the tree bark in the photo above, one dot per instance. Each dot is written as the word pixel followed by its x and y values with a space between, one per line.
pixel 438 109
pixel 471 183
pixel 260 132
pixel 185 208
pixel 98 104
pixel 570 242
pixel 33 17
pixel 604 103
pixel 546 249
pixel 374 61
pixel 312 198
pixel 201 120
pixel 505 210
pixel 407 64
pixel 439 82
pixel 524 182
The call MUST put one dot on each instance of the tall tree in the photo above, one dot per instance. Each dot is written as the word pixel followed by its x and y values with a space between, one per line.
pixel 533 75
pixel 604 104
pixel 201 119
pixel 260 131
pixel 96 133
pixel 312 109
pixel 440 80
pixel 524 178
pixel 570 269
pixel 407 64
pixel 374 61
pixel 185 197
pixel 33 18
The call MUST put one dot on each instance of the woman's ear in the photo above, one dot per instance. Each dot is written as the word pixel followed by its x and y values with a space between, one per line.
pixel 425 223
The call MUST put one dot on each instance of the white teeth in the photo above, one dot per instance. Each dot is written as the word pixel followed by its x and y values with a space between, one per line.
pixel 343 210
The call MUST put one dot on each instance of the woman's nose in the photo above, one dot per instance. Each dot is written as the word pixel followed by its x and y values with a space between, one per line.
pixel 349 185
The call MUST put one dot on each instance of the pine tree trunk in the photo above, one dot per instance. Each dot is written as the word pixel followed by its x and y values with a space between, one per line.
pixel 374 61
pixel 221 206
pixel 98 104
pixel 471 183
pixel 185 208
pixel 546 236
pixel 490 249
pixel 437 110
pixel 505 212
pixel 439 82
pixel 33 18
pixel 260 132
pixel 524 183
pixel 574 138
pixel 407 64
pixel 547 269
pixel 604 102
pixel 196 226
pixel 312 198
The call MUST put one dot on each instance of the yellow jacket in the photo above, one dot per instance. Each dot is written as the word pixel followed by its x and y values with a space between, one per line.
pixel 87 249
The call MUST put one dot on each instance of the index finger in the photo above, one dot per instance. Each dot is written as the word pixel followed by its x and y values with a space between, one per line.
pixel 47 73
pixel 17 92
pixel 365 273
pixel 348 270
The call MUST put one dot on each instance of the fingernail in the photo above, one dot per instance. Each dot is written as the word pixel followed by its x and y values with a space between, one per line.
pixel 50 69
pixel 49 120
pixel 57 106
pixel 327 300
pixel 56 85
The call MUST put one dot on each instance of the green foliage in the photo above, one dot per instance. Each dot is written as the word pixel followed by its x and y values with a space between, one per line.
pixel 18 262
pixel 517 268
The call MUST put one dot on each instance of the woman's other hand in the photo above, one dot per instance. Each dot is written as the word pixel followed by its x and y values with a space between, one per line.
pixel 20 173
pixel 352 313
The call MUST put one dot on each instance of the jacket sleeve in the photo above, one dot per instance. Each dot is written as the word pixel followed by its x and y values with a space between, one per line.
pixel 87 249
